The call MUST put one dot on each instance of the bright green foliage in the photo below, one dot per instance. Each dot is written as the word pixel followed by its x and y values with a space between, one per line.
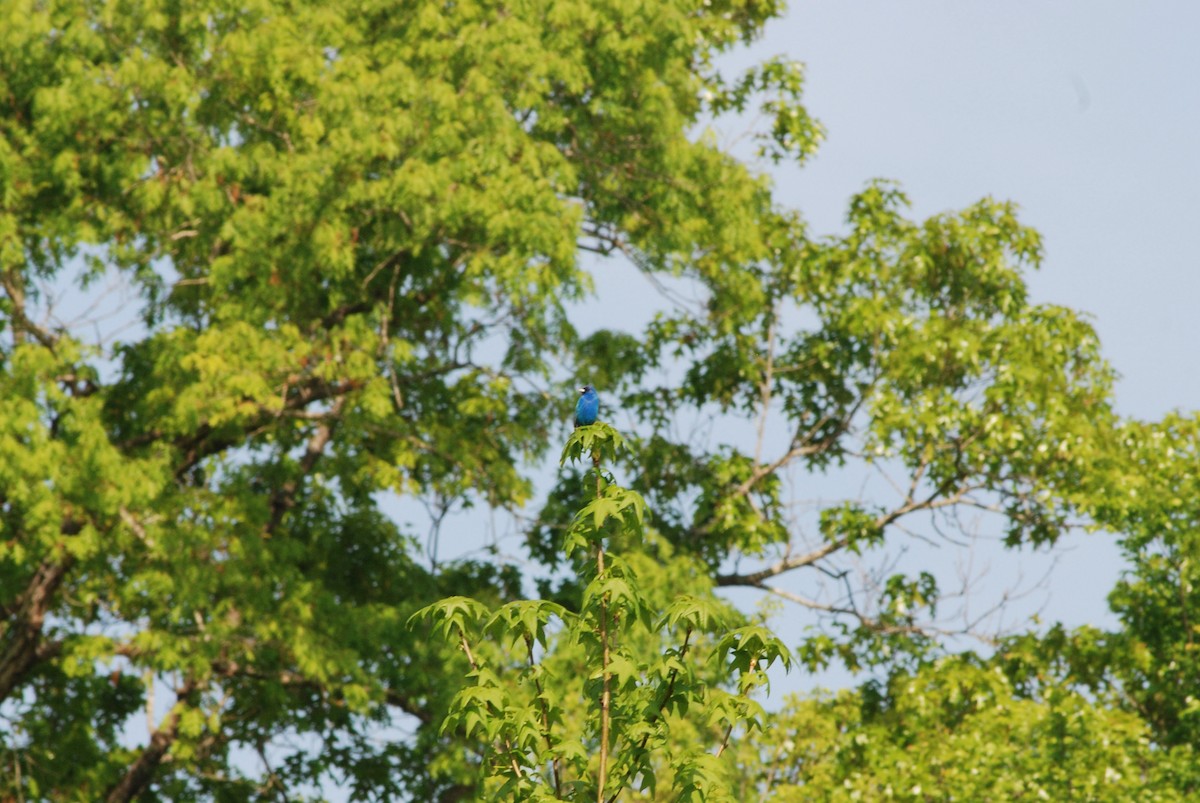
pixel 350 236
pixel 925 353
pixel 329 212
pixel 959 730
pixel 1149 495
pixel 534 752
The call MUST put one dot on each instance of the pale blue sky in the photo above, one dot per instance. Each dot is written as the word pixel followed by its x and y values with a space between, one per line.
pixel 1086 113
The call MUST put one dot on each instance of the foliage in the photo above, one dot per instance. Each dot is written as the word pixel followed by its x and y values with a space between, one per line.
pixel 634 700
pixel 960 730
pixel 350 238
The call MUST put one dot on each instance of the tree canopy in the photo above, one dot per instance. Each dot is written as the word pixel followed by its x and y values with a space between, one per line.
pixel 351 238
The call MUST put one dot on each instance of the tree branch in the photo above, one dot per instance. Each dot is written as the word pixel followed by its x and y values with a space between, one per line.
pixel 654 717
pixel 202 444
pixel 14 287
pixel 877 625
pixel 802 446
pixel 22 636
pixel 139 775
pixel 283 498
pixel 764 390
pixel 787 563
pixel 555 764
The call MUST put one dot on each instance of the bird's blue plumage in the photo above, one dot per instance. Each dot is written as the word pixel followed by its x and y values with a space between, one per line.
pixel 588 406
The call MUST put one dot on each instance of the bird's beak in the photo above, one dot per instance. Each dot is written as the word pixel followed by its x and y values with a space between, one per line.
pixel 583 390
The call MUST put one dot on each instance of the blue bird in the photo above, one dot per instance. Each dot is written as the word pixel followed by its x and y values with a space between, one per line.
pixel 587 408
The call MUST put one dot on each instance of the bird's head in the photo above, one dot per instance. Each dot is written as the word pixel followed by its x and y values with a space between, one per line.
pixel 585 388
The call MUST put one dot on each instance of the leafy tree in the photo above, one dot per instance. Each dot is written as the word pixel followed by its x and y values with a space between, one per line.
pixel 961 730
pixel 1060 715
pixel 535 751
pixel 354 233
pixel 1144 668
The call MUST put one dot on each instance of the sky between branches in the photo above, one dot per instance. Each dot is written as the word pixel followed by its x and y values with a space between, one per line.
pixel 1085 113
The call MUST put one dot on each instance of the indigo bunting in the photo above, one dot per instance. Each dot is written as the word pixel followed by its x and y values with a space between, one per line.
pixel 587 407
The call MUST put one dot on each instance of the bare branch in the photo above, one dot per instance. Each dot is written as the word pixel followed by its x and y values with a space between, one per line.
pixel 785 564
pixel 874 624
pixel 803 446
pixel 934 501
pixel 606 676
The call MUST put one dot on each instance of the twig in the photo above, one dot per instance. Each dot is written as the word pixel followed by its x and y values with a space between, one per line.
pixel 764 391
pixel 555 768
pixel 728 731
pixel 658 711
pixel 466 648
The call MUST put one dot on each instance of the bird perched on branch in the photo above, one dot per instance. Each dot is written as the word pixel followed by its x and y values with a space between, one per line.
pixel 587 408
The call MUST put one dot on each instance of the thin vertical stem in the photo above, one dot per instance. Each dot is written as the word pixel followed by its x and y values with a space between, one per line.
pixel 764 392
pixel 466 648
pixel 606 688
pixel 555 768
pixel 606 691
pixel 632 769
pixel 729 730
